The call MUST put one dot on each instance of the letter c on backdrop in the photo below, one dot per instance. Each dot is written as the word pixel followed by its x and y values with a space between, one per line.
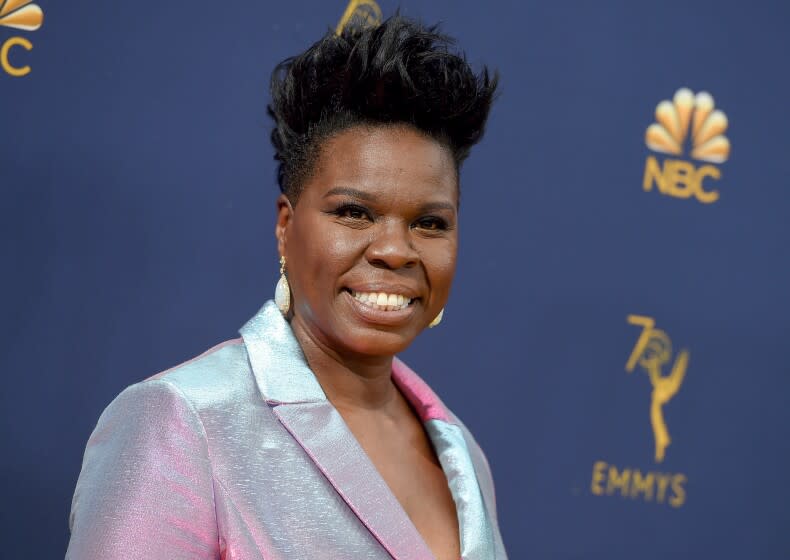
pixel 7 66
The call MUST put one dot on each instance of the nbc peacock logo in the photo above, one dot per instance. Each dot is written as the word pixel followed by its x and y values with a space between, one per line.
pixel 688 123
pixel 22 15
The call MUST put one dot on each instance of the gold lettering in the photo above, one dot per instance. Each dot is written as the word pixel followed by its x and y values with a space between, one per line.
pixel 618 480
pixel 647 324
pixel 679 178
pixel 640 484
pixel 662 481
pixel 706 197
pixel 10 69
pixel 598 477
pixel 679 497
pixel 628 482
pixel 653 174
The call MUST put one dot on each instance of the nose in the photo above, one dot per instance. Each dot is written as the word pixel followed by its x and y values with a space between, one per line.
pixel 392 247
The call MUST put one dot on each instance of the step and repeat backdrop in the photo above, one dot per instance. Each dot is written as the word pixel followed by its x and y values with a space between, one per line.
pixel 617 337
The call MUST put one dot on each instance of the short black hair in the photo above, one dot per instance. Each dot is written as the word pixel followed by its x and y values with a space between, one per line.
pixel 400 72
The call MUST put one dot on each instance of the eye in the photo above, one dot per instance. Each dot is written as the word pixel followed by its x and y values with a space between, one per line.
pixel 353 212
pixel 431 223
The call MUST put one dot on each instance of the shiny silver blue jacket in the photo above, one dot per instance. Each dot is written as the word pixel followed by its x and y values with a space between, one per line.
pixel 238 454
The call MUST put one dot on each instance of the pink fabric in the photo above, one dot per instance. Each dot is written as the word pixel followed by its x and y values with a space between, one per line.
pixel 421 397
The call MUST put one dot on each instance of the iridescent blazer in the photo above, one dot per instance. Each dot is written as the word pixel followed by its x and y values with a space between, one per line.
pixel 238 454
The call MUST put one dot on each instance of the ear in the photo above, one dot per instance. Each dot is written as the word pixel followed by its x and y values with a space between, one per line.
pixel 285 213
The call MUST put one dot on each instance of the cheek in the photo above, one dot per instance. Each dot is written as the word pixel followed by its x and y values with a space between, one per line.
pixel 322 252
pixel 440 267
pixel 342 247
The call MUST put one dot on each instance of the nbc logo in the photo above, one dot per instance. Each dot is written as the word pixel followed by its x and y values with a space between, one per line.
pixel 18 14
pixel 687 119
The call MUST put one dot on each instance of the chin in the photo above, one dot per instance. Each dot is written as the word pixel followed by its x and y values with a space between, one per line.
pixel 372 342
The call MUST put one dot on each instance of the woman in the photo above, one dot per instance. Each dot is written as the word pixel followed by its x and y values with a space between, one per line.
pixel 306 438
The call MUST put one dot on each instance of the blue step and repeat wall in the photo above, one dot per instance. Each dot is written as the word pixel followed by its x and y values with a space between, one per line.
pixel 617 337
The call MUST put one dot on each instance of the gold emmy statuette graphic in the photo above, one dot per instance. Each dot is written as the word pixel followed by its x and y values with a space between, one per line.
pixel 693 119
pixel 23 15
pixel 360 13
pixel 653 349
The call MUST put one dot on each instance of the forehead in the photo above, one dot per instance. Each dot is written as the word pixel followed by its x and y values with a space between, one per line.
pixel 398 163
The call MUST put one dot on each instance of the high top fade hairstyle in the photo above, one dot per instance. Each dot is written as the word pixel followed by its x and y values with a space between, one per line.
pixel 398 73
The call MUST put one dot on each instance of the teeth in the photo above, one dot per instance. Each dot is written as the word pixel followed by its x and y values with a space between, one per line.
pixel 382 300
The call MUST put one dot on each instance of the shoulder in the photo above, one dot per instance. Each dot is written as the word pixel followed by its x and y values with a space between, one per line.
pixel 182 396
pixel 178 393
pixel 146 480
pixel 162 422
pixel 217 377
pixel 217 370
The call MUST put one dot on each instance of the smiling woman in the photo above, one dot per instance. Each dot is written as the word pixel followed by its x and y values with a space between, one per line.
pixel 307 438
pixel 371 249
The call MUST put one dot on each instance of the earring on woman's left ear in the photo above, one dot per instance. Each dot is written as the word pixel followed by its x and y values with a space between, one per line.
pixel 282 293
pixel 437 319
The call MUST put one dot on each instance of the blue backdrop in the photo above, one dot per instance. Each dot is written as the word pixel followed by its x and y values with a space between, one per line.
pixel 137 211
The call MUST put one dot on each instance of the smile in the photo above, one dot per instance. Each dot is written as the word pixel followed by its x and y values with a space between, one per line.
pixel 382 300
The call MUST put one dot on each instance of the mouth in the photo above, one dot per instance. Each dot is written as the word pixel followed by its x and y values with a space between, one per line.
pixel 382 301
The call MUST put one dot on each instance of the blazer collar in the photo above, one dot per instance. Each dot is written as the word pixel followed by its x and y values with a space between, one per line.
pixel 279 367
pixel 283 375
pixel 291 388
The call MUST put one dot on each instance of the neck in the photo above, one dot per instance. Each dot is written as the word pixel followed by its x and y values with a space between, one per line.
pixel 350 382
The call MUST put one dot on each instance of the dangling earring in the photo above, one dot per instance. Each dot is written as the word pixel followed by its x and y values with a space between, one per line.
pixel 282 293
pixel 437 319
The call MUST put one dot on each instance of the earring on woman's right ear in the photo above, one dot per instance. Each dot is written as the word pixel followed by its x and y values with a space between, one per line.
pixel 282 293
pixel 437 319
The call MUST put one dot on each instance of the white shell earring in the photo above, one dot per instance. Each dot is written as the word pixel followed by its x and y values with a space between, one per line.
pixel 282 293
pixel 437 319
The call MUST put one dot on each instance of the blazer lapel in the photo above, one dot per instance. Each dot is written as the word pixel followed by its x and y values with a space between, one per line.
pixel 463 477
pixel 290 387
pixel 321 431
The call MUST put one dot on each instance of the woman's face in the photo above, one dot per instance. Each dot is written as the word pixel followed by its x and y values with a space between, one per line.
pixel 371 244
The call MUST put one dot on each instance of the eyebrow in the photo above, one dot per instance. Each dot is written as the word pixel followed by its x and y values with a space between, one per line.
pixel 366 196
pixel 348 191
pixel 431 206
